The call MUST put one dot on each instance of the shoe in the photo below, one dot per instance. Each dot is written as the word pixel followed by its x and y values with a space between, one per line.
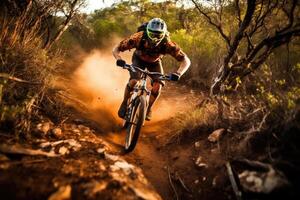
pixel 122 111
pixel 149 115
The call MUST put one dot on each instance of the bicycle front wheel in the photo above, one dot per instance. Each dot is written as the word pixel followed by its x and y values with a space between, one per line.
pixel 136 122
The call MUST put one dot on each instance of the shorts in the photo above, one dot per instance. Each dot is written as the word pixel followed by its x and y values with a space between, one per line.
pixel 152 67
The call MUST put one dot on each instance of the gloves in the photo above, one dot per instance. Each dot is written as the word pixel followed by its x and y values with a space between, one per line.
pixel 120 63
pixel 175 77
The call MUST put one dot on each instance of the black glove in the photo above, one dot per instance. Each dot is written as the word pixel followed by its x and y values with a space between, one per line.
pixel 121 63
pixel 174 77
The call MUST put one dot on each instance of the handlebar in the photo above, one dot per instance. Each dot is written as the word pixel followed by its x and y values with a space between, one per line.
pixel 133 68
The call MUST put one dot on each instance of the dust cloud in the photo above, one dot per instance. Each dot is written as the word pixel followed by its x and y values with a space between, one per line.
pixel 100 84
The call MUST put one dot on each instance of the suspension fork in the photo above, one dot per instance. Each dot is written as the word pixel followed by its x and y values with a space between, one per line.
pixel 138 90
pixel 145 91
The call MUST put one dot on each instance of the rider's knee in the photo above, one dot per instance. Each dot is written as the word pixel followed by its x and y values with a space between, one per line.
pixel 156 88
pixel 132 83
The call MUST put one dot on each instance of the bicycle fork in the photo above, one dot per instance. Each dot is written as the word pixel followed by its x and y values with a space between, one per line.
pixel 139 89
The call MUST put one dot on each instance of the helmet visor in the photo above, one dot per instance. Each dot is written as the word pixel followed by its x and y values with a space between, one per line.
pixel 155 36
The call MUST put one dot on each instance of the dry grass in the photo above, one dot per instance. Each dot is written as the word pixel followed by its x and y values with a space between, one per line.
pixel 200 118
pixel 242 115
pixel 28 72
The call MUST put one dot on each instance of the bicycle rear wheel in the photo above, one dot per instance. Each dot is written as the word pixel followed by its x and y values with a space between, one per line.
pixel 136 122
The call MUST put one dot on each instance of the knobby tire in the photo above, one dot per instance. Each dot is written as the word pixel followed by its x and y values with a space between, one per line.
pixel 136 122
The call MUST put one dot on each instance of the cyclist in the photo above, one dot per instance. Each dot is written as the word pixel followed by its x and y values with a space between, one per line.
pixel 150 44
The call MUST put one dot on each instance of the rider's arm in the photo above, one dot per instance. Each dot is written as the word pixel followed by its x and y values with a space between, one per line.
pixel 174 50
pixel 127 44
pixel 116 52
pixel 184 65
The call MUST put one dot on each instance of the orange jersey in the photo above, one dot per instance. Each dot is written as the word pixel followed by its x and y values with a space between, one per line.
pixel 150 53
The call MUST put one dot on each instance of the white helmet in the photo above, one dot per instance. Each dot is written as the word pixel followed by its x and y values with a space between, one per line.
pixel 156 30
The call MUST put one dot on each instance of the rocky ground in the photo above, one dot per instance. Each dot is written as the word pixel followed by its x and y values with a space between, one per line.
pixel 70 162
pixel 78 160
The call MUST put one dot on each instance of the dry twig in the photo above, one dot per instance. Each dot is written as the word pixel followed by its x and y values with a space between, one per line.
pixel 172 184
pixel 177 176
pixel 235 188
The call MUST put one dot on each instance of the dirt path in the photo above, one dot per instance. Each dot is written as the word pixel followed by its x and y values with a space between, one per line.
pixel 150 154
pixel 98 130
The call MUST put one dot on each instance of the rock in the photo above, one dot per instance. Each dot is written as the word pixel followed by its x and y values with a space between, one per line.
pixel 4 164
pixel 111 157
pixel 101 150
pixel 74 144
pixel 86 130
pixel 70 143
pixel 215 181
pixel 42 128
pixel 76 131
pixel 199 163
pixel 63 150
pixel 139 185
pixel 122 165
pixel 197 144
pixel 63 193
pixel 263 182
pixel 102 167
pixel 45 127
pixel 45 144
pixel 57 132
pixel 216 135
pixel 94 187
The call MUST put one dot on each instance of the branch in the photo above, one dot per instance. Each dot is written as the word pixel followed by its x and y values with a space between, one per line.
pixel 245 23
pixel 259 20
pixel 249 44
pixel 233 182
pixel 273 42
pixel 238 11
pixel 217 26
pixel 290 17
pixel 7 76
pixel 269 44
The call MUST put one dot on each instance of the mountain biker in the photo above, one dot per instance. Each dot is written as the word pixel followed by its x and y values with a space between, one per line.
pixel 150 44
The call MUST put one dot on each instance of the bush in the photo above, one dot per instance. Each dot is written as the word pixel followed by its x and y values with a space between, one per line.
pixel 26 74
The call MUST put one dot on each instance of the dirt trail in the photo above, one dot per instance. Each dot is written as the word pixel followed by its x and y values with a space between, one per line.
pixel 149 154
pixel 99 85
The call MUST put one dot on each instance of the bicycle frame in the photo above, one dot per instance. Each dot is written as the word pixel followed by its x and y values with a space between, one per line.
pixel 139 89
pixel 137 106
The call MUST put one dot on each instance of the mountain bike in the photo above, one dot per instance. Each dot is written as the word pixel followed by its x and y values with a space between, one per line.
pixel 137 105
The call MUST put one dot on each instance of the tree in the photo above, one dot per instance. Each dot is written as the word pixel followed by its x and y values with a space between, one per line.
pixel 38 16
pixel 69 9
pixel 260 26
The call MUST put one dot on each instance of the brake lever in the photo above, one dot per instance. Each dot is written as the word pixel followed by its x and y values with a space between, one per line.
pixel 165 77
pixel 129 67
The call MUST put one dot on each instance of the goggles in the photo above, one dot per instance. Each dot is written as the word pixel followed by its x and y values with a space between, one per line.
pixel 155 36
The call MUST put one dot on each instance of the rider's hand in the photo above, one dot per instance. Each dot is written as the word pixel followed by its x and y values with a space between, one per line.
pixel 175 76
pixel 121 63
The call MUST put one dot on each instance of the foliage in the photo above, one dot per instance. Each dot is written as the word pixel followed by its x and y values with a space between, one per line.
pixel 27 67
pixel 275 83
